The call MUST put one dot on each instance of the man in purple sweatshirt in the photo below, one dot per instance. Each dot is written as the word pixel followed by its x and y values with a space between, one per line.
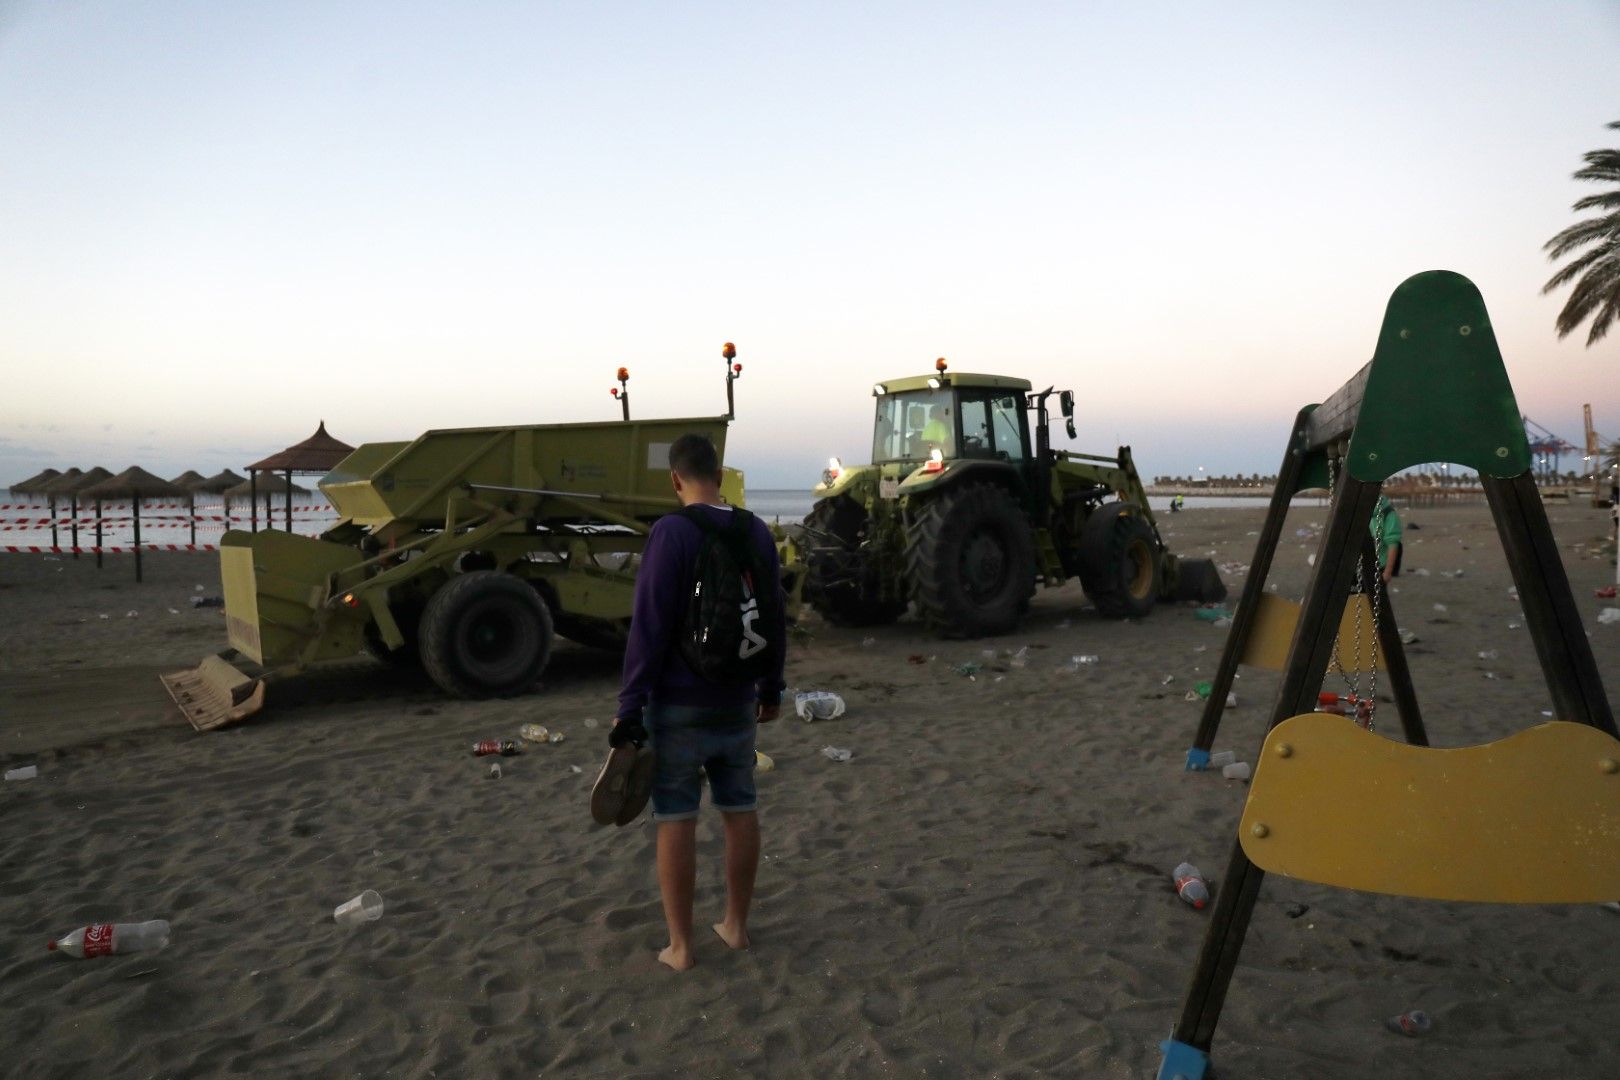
pixel 696 726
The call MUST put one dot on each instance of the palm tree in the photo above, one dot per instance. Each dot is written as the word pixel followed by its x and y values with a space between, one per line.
pixel 1597 294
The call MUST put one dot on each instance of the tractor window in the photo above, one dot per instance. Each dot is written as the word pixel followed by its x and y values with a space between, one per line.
pixel 909 425
pixel 1007 413
pixel 976 428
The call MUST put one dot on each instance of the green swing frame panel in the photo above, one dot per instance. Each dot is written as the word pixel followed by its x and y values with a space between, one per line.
pixel 1435 390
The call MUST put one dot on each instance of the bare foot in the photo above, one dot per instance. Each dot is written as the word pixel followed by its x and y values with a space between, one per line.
pixel 678 958
pixel 736 937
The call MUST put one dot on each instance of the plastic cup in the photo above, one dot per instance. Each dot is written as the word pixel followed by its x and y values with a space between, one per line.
pixel 367 907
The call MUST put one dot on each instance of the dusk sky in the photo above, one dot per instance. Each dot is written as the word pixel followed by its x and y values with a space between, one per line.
pixel 222 222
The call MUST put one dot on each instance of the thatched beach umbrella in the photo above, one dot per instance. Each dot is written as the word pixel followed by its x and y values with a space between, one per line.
pixel 47 489
pixel 316 454
pixel 269 486
pixel 32 485
pixel 71 484
pixel 219 484
pixel 189 480
pixel 134 484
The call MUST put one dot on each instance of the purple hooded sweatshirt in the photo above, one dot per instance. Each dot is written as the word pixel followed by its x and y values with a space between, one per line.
pixel 653 668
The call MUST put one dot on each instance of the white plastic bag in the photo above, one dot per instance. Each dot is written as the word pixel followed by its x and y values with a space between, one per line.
pixel 818 705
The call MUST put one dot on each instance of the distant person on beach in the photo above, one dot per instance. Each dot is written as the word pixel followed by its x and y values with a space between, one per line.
pixel 1178 503
pixel 698 726
pixel 1386 531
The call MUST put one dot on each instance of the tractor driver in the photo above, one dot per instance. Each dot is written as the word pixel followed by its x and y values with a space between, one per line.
pixel 936 434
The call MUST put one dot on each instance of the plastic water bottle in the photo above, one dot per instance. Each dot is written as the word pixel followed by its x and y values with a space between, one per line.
pixel 503 747
pixel 1190 885
pixel 103 939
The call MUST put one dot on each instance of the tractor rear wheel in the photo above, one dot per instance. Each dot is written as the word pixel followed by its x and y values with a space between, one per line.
pixel 1119 561
pixel 840 582
pixel 970 558
pixel 485 634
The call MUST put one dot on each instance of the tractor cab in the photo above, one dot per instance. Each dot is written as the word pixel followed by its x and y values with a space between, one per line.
pixel 944 417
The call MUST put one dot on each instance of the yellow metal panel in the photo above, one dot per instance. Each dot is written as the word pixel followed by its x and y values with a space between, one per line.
pixel 1272 632
pixel 241 600
pixel 1531 819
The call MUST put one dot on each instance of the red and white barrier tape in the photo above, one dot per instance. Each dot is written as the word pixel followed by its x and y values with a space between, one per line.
pixel 48 550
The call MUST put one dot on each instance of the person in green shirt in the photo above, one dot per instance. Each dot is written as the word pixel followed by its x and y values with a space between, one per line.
pixel 1386 531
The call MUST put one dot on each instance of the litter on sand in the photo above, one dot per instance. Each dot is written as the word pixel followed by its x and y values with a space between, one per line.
pixel 835 753
pixel 818 705
pixel 762 762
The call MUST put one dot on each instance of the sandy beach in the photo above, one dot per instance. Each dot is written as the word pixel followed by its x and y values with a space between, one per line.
pixel 982 890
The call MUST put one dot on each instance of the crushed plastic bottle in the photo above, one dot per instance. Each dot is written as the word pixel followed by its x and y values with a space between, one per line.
pixel 834 753
pixel 1190 885
pixel 26 772
pixel 535 733
pixel 1413 1023
pixel 1220 759
pixel 104 939
pixel 818 705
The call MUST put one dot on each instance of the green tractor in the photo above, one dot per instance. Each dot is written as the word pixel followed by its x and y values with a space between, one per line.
pixel 960 514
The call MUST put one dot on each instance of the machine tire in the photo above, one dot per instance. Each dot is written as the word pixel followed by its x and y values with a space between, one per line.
pixel 485 634
pixel 1119 561
pixel 409 655
pixel 843 592
pixel 970 558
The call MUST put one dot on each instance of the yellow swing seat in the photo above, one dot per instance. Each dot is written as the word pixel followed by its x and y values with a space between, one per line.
pixel 1272 632
pixel 1530 819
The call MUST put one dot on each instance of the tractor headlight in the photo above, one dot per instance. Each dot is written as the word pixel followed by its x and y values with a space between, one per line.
pixel 936 461
pixel 879 390
pixel 933 384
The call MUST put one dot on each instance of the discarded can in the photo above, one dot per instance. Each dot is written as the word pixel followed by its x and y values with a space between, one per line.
pixel 1413 1023
pixel 503 747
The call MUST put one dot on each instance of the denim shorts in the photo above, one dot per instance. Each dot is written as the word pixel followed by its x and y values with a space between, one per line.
pixel 690 740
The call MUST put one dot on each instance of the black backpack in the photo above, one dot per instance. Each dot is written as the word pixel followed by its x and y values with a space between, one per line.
pixel 730 613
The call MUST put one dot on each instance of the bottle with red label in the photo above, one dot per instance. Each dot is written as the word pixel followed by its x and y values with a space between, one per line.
pixel 503 747
pixel 105 939
pixel 1190 885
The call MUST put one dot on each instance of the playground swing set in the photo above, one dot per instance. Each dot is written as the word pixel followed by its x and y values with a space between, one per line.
pixel 1533 818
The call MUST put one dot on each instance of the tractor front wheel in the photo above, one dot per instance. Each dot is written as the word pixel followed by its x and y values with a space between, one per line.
pixel 840 581
pixel 1119 561
pixel 485 634
pixel 970 558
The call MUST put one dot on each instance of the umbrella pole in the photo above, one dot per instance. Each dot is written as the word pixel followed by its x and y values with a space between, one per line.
pixel 54 542
pixel 136 503
pixel 192 504
pixel 73 525
pixel 253 497
pixel 98 534
pixel 289 500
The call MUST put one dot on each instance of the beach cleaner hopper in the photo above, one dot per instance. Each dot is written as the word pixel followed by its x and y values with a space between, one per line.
pixel 465 552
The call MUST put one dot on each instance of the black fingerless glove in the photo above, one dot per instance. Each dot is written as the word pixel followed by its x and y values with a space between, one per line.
pixel 628 730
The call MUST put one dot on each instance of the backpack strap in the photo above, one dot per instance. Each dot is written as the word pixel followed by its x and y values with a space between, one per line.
pixel 736 534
